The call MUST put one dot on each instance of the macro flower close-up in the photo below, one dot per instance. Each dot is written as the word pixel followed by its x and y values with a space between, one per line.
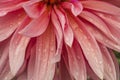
pixel 59 39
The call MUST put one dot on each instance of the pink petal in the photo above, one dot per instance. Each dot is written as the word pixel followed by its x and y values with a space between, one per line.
pixel 17 49
pixel 115 2
pixel 63 71
pixel 113 25
pixel 31 64
pixel 23 76
pixel 61 17
pixel 91 74
pixel 8 6
pixel 4 50
pixel 23 68
pixel 98 6
pixel 88 45
pixel 75 7
pixel 6 73
pixel 95 20
pixel 45 51
pixel 76 62
pixel 109 67
pixel 67 31
pixel 17 52
pixel 35 10
pixel 59 35
pixel 9 23
pixel 110 19
pixel 35 1
pixel 29 48
pixel 115 32
pixel 68 36
pixel 37 26
pixel 6 0
pixel 103 39
pixel 64 56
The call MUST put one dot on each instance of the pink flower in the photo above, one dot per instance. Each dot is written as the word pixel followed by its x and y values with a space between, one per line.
pixel 59 40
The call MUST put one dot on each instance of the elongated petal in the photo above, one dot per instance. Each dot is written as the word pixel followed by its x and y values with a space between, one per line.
pixel 98 23
pixel 61 17
pixel 23 76
pixel 17 50
pixel 35 10
pixel 8 6
pixel 113 23
pixel 67 31
pixel 29 48
pixel 37 26
pixel 98 6
pixel 59 35
pixel 31 64
pixel 115 2
pixel 75 7
pixel 4 50
pixel 76 62
pixel 112 20
pixel 91 74
pixel 88 45
pixel 6 73
pixel 68 36
pixel 45 51
pixel 22 69
pixel 103 39
pixel 109 68
pixel 9 23
pixel 63 71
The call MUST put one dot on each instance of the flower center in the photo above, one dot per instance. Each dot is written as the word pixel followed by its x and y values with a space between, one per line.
pixel 52 1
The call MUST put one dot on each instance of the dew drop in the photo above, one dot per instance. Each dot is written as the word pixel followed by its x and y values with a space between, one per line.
pixel 11 25
pixel 3 13
pixel 45 50
pixel 6 78
pixel 79 58
pixel 100 62
pixel 76 74
pixel 39 49
pixel 106 41
pixel 52 49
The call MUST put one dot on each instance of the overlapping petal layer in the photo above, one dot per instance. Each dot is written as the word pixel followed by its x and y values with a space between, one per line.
pixel 59 40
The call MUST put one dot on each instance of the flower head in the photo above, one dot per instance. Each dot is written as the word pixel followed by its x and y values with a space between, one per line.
pixel 59 40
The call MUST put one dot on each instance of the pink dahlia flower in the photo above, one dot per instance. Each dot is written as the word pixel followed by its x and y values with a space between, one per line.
pixel 59 40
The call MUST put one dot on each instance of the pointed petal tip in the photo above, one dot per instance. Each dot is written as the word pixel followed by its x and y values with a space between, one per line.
pixel 69 42
pixel 37 26
pixel 75 7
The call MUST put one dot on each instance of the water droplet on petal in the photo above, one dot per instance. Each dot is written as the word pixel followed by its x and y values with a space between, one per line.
pixel 39 50
pixel 3 13
pixel 52 49
pixel 11 25
pixel 45 50
pixel 6 78
pixel 100 62
pixel 79 58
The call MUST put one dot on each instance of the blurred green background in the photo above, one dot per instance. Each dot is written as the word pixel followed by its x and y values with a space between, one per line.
pixel 118 56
